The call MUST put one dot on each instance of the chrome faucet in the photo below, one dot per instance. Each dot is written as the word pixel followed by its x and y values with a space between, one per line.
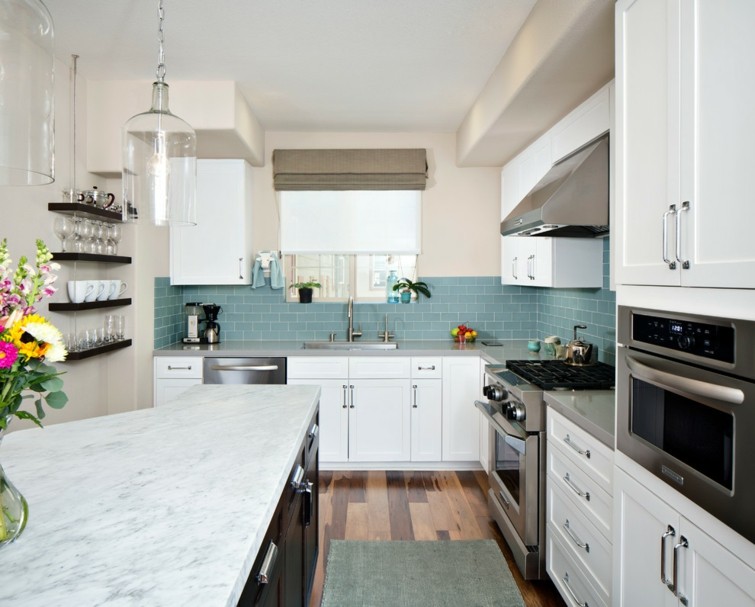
pixel 351 334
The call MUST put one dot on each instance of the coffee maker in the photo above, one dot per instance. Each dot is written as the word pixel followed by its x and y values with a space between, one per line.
pixel 211 327
pixel 192 310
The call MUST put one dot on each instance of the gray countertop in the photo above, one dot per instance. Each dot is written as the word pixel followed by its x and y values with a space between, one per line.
pixel 509 349
pixel 592 410
pixel 157 507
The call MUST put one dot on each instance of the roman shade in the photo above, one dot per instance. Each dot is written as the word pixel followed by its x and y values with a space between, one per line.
pixel 369 169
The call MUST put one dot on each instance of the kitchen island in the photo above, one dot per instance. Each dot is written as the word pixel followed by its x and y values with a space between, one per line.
pixel 153 507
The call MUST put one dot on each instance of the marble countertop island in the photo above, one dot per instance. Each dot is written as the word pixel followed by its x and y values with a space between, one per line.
pixel 155 507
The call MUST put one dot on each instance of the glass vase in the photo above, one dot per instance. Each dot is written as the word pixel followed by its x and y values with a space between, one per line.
pixel 14 511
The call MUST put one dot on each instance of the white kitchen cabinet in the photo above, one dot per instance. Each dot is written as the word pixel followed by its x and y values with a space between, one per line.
pixel 579 503
pixel 334 417
pixel 708 572
pixel 544 261
pixel 218 250
pixel 552 262
pixel 461 419
pixel 331 373
pixel 365 406
pixel 426 428
pixel 173 375
pixel 684 132
pixel 379 420
pixel 427 398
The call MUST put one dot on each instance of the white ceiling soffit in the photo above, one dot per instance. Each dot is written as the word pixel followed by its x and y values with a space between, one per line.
pixel 563 53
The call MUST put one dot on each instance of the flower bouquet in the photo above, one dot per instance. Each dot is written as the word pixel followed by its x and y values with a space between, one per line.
pixel 28 342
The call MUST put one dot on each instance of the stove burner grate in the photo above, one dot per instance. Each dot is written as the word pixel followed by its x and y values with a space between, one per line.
pixel 556 374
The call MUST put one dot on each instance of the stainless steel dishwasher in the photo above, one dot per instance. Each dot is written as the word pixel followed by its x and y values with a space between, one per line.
pixel 246 370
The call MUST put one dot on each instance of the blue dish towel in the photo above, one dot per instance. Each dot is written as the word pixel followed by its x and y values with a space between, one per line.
pixel 276 274
pixel 258 276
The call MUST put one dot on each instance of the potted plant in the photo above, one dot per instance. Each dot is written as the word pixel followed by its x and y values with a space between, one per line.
pixel 406 287
pixel 305 290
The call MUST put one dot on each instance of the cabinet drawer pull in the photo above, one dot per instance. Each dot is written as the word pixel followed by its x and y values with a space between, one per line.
pixel 172 368
pixel 345 396
pixel 306 491
pixel 241 268
pixel 670 532
pixel 414 389
pixel 426 368
pixel 576 489
pixel 573 594
pixel 351 390
pixel 513 267
pixel 264 576
pixel 671 211
pixel 585 452
pixel 505 501
pixel 314 431
pixel 575 537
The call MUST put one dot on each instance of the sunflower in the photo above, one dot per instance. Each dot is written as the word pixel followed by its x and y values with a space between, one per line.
pixel 34 336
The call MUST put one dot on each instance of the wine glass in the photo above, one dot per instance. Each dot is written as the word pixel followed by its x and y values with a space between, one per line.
pixel 63 228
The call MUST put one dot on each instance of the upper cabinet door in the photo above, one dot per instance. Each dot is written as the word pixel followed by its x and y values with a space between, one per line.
pixel 718 155
pixel 218 250
pixel 647 141
pixel 684 130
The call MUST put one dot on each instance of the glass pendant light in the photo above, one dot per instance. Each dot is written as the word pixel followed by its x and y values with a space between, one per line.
pixel 159 158
pixel 27 96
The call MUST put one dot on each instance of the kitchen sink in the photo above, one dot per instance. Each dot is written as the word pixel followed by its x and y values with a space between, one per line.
pixel 350 345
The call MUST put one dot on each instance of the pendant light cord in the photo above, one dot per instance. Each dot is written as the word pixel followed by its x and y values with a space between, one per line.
pixel 160 73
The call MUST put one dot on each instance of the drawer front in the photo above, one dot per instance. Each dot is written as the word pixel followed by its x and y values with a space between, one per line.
pixel 178 366
pixel 580 538
pixel 317 367
pixel 569 578
pixel 373 367
pixel 582 448
pixel 430 367
pixel 582 490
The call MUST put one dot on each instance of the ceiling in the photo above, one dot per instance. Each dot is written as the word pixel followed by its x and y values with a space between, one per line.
pixel 315 65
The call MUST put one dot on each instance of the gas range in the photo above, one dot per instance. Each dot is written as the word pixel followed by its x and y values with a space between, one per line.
pixel 517 388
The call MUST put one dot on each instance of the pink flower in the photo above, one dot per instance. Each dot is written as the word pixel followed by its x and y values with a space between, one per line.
pixel 8 355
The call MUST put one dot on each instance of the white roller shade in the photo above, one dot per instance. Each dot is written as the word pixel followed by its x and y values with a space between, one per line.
pixel 350 221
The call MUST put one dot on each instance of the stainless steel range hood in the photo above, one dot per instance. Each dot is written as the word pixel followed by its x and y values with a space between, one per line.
pixel 571 200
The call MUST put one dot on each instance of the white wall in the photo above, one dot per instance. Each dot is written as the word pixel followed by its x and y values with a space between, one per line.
pixel 461 206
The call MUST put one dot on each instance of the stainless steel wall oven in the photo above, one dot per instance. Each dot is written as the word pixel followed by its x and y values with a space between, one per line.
pixel 686 407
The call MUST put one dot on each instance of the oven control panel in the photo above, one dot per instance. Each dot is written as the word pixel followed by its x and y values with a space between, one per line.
pixel 702 339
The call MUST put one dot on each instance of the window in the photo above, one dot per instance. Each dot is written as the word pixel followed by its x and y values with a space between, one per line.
pixel 341 275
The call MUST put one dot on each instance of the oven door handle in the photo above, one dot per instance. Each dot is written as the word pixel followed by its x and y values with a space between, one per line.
pixel 684 385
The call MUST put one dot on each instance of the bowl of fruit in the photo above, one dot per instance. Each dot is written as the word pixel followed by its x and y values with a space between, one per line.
pixel 463 334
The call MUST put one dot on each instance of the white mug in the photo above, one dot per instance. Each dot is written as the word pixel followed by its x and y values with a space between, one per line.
pixel 97 288
pixel 103 290
pixel 79 290
pixel 117 287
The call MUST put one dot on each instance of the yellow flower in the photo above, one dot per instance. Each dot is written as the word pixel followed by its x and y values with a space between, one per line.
pixel 33 335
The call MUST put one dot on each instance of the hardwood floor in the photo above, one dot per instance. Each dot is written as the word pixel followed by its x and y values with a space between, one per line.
pixel 379 505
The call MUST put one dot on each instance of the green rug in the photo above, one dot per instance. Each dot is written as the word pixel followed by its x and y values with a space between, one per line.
pixel 409 574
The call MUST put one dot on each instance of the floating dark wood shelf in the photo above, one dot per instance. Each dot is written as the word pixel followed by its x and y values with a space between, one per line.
pixel 67 256
pixel 89 305
pixel 88 353
pixel 84 210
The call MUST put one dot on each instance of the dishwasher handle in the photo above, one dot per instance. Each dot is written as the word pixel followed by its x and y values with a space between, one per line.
pixel 244 367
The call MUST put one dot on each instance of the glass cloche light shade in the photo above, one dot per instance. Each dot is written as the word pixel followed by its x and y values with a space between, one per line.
pixel 159 165
pixel 27 99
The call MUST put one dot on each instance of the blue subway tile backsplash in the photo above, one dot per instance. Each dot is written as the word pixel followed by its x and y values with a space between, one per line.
pixel 494 310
